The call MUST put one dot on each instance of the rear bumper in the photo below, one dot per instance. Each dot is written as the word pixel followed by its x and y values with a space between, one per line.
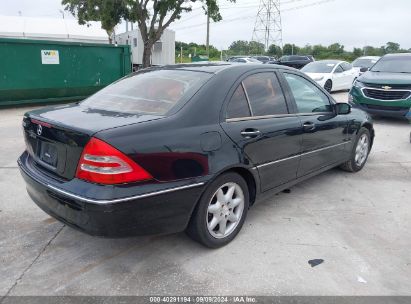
pixel 164 210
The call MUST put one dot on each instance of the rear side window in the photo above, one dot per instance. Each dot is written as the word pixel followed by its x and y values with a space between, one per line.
pixel 265 95
pixel 238 105
pixel 155 92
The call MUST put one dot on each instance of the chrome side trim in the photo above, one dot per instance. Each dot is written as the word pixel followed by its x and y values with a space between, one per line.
pixel 259 117
pixel 248 99
pixel 278 161
pixel 124 199
pixel 302 154
pixel 103 202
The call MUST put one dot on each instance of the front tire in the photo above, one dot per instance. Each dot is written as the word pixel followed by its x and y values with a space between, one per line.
pixel 328 86
pixel 360 152
pixel 221 211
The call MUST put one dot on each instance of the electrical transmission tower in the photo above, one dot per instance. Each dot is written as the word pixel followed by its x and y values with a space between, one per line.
pixel 267 29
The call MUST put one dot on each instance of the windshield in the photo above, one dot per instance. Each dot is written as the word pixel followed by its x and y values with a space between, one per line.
pixel 319 67
pixel 153 92
pixel 393 64
pixel 364 63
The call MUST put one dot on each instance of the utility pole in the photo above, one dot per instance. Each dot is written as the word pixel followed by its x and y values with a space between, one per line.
pixel 268 28
pixel 208 35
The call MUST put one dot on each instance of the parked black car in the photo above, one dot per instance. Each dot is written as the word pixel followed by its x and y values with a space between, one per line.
pixel 186 147
pixel 294 61
pixel 263 59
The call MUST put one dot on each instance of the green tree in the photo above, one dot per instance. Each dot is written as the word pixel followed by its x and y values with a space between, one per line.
pixel 290 49
pixel 256 48
pixel 336 49
pixel 109 12
pixel 320 52
pixel 392 47
pixel 306 50
pixel 152 16
pixel 239 47
pixel 357 53
pixel 275 50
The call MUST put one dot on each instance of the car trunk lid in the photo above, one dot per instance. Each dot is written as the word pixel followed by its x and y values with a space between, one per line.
pixel 56 136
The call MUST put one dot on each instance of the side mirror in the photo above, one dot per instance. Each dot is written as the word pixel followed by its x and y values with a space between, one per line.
pixel 342 108
pixel 363 70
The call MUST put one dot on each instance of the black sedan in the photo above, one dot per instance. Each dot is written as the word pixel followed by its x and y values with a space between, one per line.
pixel 186 147
pixel 293 61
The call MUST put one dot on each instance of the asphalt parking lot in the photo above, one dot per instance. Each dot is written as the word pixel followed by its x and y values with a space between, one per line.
pixel 359 224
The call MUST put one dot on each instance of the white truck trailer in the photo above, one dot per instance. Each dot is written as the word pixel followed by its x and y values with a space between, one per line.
pixel 163 50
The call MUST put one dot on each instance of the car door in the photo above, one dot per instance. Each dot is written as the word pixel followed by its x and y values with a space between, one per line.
pixel 349 75
pixel 258 120
pixel 324 133
pixel 338 78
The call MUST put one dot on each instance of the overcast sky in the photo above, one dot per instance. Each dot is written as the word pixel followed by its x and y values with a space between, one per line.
pixel 349 22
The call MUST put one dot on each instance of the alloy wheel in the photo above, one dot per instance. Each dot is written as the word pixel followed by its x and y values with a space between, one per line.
pixel 361 151
pixel 225 210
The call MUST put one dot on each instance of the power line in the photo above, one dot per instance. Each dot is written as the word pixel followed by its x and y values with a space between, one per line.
pixel 189 27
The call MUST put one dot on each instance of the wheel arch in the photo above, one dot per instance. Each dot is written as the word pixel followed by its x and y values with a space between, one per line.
pixel 249 179
pixel 370 128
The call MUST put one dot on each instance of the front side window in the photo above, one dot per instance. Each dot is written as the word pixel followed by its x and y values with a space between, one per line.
pixel 148 92
pixel 346 66
pixel 308 98
pixel 338 69
pixel 265 95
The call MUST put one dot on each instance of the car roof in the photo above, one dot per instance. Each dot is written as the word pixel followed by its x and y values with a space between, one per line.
pixel 369 57
pixel 328 61
pixel 217 67
pixel 399 55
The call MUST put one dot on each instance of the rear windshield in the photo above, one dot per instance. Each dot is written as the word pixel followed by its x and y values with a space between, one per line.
pixel 155 92
pixel 364 63
pixel 393 64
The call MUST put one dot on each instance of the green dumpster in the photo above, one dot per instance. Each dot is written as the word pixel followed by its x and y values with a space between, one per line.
pixel 36 71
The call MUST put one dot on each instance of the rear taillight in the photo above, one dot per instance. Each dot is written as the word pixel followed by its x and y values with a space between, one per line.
pixel 103 164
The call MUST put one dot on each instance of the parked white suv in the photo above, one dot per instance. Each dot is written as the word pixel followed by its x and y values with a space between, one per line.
pixel 364 62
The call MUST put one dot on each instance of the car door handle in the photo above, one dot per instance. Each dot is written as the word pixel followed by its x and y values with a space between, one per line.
pixel 250 133
pixel 308 126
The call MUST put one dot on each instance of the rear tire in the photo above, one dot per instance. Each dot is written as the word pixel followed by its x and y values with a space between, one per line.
pixel 221 211
pixel 360 152
pixel 328 86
